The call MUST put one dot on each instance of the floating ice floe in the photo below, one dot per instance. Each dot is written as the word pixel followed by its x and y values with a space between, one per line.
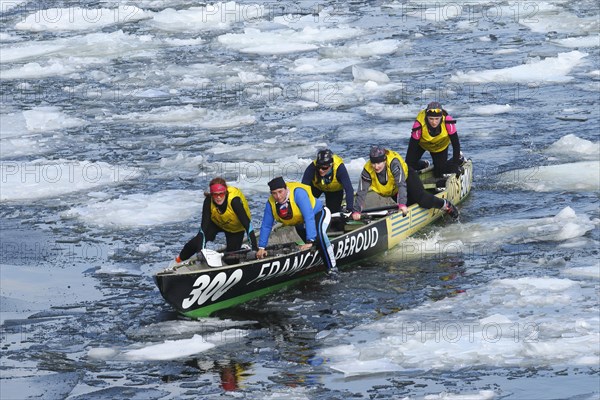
pixel 556 177
pixel 43 119
pixel 170 349
pixel 65 56
pixel 212 16
pixel 20 132
pixel 54 178
pixel 555 69
pixel 391 111
pixel 362 49
pixel 140 210
pixel 285 41
pixel 565 225
pixel 322 66
pixel 80 19
pixel 528 321
pixel 491 109
pixel 579 42
pixel 544 17
pixel 572 147
pixel 585 272
pixel 92 45
pixel 188 116
pixel 368 74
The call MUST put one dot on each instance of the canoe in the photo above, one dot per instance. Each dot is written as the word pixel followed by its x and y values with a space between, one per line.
pixel 211 281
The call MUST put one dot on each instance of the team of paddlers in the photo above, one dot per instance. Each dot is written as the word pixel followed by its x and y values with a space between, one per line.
pixel 297 204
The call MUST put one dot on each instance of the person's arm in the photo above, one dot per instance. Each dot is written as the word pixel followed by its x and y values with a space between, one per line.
pixel 307 179
pixel 451 128
pixel 205 213
pixel 400 179
pixel 361 195
pixel 416 131
pixel 413 153
pixel 309 173
pixel 344 178
pixel 265 228
pixel 308 214
pixel 240 212
pixel 455 149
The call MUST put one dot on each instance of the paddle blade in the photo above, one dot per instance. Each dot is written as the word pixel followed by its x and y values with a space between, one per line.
pixel 213 258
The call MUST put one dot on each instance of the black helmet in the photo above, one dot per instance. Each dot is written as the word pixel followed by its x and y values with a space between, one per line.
pixel 377 154
pixel 434 109
pixel 324 157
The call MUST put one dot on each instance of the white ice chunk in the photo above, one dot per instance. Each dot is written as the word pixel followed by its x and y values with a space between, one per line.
pixel 579 176
pixel 53 178
pixel 366 74
pixel 556 69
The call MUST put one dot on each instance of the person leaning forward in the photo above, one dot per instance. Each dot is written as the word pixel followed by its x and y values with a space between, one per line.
pixel 225 209
pixel 293 204
pixel 433 131
pixel 328 174
pixel 387 174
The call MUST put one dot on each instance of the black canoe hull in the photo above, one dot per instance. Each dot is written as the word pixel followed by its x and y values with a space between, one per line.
pixel 197 292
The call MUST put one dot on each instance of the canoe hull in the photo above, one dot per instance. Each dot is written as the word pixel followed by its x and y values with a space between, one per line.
pixel 198 292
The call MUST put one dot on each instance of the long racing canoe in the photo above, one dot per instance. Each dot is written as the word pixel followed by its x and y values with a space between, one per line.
pixel 211 281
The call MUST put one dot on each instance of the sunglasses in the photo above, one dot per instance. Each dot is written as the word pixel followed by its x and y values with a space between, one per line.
pixel 220 194
pixel 324 167
pixel 434 110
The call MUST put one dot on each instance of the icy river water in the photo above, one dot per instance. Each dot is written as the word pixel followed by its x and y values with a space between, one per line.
pixel 114 117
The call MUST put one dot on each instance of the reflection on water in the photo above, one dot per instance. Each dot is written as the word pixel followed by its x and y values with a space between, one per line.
pixel 231 374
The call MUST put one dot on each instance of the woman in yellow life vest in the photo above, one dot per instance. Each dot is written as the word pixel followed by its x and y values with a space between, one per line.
pixel 433 131
pixel 328 174
pixel 225 209
pixel 293 204
pixel 388 175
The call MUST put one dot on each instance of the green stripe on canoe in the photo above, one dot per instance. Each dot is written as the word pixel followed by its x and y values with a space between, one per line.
pixel 208 310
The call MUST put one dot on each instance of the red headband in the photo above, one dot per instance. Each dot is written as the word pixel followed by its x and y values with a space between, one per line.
pixel 218 188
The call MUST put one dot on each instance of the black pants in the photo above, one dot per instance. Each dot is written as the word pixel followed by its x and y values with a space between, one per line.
pixel 322 221
pixel 195 244
pixel 441 164
pixel 418 194
pixel 333 200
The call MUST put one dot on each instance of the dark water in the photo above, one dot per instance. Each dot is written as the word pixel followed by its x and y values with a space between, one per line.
pixel 78 297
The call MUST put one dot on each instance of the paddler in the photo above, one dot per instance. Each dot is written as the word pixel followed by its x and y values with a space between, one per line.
pixel 433 131
pixel 388 175
pixel 293 204
pixel 225 209
pixel 328 174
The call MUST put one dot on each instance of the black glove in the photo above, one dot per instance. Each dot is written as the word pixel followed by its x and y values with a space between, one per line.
pixel 457 169
pixel 459 161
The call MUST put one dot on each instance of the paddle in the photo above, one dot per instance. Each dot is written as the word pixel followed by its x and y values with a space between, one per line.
pixel 368 211
pixel 241 251
pixel 211 257
pixel 237 256
pixel 249 254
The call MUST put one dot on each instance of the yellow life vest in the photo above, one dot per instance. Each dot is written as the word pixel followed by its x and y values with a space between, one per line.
pixel 296 213
pixel 335 185
pixel 434 144
pixel 390 188
pixel 228 221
